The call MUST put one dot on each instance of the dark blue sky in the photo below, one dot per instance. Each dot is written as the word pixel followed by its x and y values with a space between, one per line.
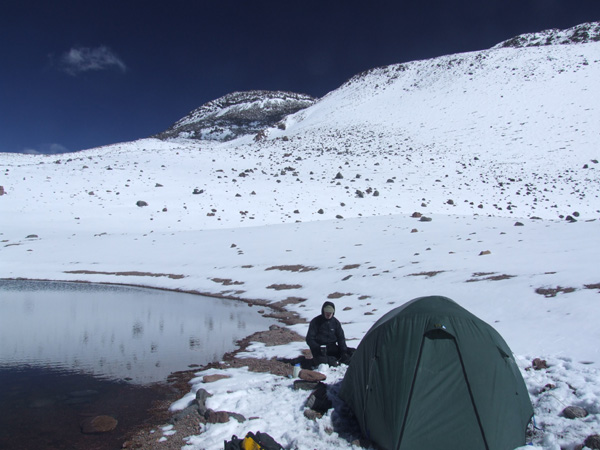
pixel 79 74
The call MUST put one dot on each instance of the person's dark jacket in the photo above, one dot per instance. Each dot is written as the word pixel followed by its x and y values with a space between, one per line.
pixel 322 331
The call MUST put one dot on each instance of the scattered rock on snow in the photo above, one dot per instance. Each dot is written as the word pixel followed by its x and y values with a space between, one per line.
pixel 593 441
pixel 191 410
pixel 485 252
pixel 216 416
pixel 141 203
pixel 237 416
pixel 311 414
pixel 200 401
pixel 213 378
pixel 548 387
pixel 539 364
pixel 574 412
pixel 311 375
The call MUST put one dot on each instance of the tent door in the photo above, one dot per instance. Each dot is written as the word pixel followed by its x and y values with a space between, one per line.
pixel 440 413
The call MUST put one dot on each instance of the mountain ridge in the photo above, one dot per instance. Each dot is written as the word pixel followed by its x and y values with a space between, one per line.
pixel 252 113
pixel 236 114
pixel 580 34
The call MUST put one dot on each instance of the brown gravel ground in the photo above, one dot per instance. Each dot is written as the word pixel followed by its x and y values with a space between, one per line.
pixel 146 436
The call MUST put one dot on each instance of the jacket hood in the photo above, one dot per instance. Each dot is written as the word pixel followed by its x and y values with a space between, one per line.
pixel 328 304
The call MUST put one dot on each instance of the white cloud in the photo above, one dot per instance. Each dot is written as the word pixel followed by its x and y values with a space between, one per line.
pixel 84 59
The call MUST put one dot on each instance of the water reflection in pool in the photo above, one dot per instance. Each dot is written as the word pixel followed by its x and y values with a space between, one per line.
pixel 117 332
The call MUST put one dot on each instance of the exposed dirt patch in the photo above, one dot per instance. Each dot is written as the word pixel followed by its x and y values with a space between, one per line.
pixel 483 274
pixel 287 317
pixel 338 295
pixel 229 292
pixel 288 301
pixel 274 336
pixel 552 292
pixel 592 286
pixel 283 287
pixel 293 268
pixel 351 266
pixel 127 274
pixel 433 273
pixel 492 278
pixel 226 281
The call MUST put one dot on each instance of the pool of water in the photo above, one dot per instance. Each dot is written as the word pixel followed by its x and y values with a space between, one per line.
pixel 117 333
pixel 71 351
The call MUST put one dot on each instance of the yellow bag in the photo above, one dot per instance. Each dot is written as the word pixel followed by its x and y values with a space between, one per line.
pixel 250 444
pixel 252 441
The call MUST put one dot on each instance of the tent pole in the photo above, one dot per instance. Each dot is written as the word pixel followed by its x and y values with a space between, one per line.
pixel 412 387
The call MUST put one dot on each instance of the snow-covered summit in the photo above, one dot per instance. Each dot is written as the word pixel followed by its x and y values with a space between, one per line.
pixel 580 34
pixel 237 114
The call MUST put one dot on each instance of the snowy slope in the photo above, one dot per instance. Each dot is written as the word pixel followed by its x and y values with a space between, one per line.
pixel 499 148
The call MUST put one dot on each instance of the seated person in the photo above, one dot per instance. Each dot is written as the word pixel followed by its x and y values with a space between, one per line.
pixel 326 338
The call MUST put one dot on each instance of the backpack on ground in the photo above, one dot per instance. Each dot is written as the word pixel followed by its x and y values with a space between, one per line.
pixel 253 441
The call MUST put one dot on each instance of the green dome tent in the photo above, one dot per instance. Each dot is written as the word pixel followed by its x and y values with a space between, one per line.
pixel 430 375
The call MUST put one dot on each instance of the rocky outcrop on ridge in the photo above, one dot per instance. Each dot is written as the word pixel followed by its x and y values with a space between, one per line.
pixel 580 34
pixel 237 114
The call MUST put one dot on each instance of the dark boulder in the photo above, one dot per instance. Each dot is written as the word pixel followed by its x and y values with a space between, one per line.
pixel 574 412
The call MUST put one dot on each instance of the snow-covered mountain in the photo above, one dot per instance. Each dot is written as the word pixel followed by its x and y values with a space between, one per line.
pixel 237 114
pixel 496 152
